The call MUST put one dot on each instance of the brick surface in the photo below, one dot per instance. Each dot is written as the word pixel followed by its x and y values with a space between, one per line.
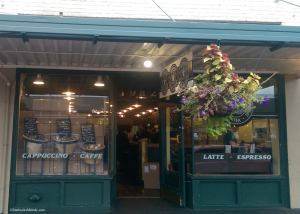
pixel 264 11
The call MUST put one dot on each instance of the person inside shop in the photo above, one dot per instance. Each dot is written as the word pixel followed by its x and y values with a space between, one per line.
pixel 143 133
pixel 154 136
pixel 230 139
pixel 122 143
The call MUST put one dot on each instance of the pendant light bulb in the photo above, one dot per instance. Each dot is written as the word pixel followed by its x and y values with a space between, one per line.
pixel 38 80
pixel 99 82
pixel 147 63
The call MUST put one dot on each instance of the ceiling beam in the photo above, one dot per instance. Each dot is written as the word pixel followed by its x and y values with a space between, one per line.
pixel 96 51
pixel 78 68
pixel 14 47
pixel 70 49
pixel 42 47
pixel 135 50
pixel 112 48
pixel 83 47
pixel 125 48
pixel 55 44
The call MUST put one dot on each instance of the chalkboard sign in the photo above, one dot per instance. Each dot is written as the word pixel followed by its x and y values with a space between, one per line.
pixel 64 126
pixel 30 126
pixel 88 133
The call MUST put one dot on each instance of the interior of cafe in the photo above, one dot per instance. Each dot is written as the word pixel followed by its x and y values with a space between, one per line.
pixel 137 145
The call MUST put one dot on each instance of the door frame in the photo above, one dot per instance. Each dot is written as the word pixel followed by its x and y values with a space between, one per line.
pixel 166 191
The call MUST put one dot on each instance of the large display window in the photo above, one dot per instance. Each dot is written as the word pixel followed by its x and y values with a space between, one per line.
pixel 63 125
pixel 250 146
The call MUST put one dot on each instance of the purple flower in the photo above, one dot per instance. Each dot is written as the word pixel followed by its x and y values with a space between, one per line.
pixel 241 100
pixel 218 90
pixel 234 73
pixel 183 117
pixel 267 98
pixel 264 103
pixel 174 111
pixel 183 99
pixel 228 107
pixel 233 103
pixel 203 112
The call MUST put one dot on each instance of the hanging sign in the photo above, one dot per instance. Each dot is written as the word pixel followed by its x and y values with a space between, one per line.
pixel 88 133
pixel 138 93
pixel 30 126
pixel 64 126
pixel 179 72
pixel 241 118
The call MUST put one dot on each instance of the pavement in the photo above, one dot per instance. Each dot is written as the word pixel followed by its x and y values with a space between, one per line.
pixel 161 206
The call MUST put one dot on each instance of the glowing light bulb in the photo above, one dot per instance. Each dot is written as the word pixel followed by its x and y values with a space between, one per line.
pixel 147 63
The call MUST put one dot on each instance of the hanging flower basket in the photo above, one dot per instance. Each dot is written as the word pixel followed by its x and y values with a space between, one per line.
pixel 218 91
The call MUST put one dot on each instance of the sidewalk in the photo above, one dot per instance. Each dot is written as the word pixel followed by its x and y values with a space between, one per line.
pixel 161 206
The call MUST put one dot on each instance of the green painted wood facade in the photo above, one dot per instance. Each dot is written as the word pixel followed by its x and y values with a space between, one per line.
pixel 69 193
pixel 93 29
pixel 97 193
pixel 236 191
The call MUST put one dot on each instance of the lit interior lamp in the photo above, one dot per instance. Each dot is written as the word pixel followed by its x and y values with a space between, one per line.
pixel 136 105
pixel 150 110
pixel 130 108
pixel 111 106
pixel 98 112
pixel 69 98
pixel 89 115
pixel 156 108
pixel 38 80
pixel 68 93
pixel 124 111
pixel 147 63
pixel 142 94
pixel 122 115
pixel 99 82
pixel 143 112
pixel 137 115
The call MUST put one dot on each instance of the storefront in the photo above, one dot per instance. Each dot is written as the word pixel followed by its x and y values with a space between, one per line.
pixel 64 141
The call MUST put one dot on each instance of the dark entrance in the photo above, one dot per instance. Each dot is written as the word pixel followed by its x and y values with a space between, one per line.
pixel 137 149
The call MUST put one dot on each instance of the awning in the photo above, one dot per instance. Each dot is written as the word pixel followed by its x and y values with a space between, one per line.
pixel 122 45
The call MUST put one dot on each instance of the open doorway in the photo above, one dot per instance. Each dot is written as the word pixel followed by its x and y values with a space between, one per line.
pixel 137 149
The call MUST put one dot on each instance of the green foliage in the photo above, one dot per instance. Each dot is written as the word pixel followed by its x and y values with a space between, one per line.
pixel 216 126
pixel 219 90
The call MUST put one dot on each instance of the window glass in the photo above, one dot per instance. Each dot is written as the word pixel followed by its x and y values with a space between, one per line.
pixel 250 146
pixel 63 126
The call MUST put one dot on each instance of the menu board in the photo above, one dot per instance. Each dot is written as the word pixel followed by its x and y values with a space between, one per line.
pixel 88 133
pixel 30 126
pixel 64 126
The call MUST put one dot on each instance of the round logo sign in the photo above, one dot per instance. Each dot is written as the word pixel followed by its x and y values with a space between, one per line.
pixel 241 118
